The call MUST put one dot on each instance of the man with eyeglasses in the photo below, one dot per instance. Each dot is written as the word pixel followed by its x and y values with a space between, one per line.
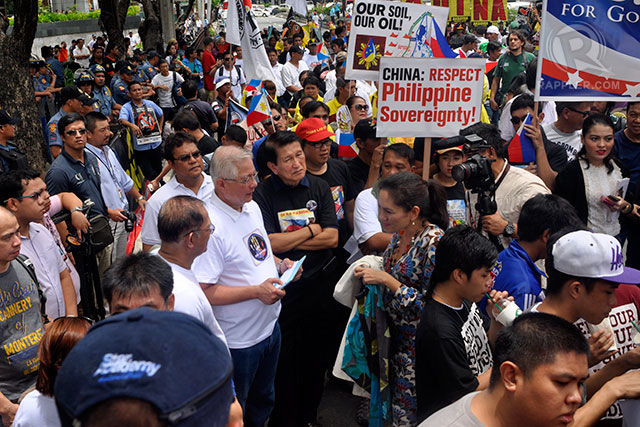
pixel 567 129
pixel 19 360
pixel 115 184
pixel 76 170
pixel 183 156
pixel 22 192
pixel 233 72
pixel 550 158
pixel 240 275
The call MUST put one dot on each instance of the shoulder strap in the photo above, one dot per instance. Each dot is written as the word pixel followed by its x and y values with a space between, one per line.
pixel 27 264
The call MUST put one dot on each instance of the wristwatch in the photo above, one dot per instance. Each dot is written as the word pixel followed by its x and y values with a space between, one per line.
pixel 140 198
pixel 509 229
pixel 76 209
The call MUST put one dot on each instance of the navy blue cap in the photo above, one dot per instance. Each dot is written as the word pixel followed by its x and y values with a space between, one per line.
pixel 169 359
pixel 6 119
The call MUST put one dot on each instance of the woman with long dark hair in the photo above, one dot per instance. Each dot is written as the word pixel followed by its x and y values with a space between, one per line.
pixel 415 211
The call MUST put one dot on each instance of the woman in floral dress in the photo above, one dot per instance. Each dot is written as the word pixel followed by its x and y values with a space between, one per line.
pixel 415 211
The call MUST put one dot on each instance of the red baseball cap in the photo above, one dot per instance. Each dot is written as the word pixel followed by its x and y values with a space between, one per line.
pixel 313 130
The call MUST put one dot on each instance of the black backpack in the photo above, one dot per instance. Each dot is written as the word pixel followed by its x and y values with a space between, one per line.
pixel 15 158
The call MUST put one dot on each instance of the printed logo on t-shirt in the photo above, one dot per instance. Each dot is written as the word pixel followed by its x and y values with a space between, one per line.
pixel 476 343
pixel 295 219
pixel 257 246
pixel 338 199
pixel 312 205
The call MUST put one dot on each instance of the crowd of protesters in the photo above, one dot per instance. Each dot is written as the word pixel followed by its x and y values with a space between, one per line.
pixel 183 227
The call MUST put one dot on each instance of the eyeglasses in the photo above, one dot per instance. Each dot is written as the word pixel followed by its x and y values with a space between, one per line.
pixel 75 132
pixel 245 180
pixel 210 229
pixel 584 113
pixel 361 107
pixel 34 196
pixel 320 144
pixel 228 59
pixel 196 155
pixel 277 117
pixel 516 120
pixel 91 321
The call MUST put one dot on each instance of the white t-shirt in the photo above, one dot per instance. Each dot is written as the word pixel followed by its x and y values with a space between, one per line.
pixel 277 71
pixel 47 260
pixel 190 299
pixel 237 79
pixel 239 254
pixel 164 96
pixel 569 141
pixel 291 74
pixel 365 217
pixel 149 232
pixel 84 63
pixel 311 60
pixel 36 409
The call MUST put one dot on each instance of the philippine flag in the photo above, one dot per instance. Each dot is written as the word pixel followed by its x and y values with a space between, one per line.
pixel 521 148
pixel 259 109
pixel 323 52
pixel 439 45
pixel 346 145
pixel 253 85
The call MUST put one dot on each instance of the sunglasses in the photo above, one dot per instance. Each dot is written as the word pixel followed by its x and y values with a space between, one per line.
pixel 361 107
pixel 196 155
pixel 584 113
pixel 516 120
pixel 277 117
pixel 75 132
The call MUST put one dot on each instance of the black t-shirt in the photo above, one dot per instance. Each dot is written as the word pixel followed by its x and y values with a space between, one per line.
pixel 456 192
pixel 556 155
pixel 203 111
pixel 285 209
pixel 207 145
pixel 337 176
pixel 359 172
pixel 218 105
pixel 452 349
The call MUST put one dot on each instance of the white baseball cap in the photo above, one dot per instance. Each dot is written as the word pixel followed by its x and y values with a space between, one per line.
pixel 493 30
pixel 222 81
pixel 592 255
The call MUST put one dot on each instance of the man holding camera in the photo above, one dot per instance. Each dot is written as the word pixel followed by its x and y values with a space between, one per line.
pixel 115 184
pixel 513 186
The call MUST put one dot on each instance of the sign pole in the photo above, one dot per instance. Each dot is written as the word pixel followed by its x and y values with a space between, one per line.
pixel 426 164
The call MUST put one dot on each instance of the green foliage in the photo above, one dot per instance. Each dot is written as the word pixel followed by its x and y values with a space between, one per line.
pixel 73 15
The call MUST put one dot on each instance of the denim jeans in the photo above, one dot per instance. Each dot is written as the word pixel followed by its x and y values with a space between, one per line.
pixel 254 373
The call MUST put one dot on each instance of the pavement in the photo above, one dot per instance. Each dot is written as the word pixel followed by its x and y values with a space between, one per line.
pixel 338 406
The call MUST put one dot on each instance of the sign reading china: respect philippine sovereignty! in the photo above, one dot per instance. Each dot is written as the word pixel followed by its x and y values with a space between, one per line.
pixel 429 97
pixel 589 51
pixel 389 28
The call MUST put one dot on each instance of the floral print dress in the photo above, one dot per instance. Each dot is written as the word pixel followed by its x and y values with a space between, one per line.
pixel 404 308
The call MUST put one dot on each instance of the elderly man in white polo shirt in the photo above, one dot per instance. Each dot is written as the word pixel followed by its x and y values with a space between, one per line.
pixel 240 275
pixel 189 179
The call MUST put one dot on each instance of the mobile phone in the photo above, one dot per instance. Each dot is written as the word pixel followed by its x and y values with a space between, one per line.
pixel 607 200
pixel 614 198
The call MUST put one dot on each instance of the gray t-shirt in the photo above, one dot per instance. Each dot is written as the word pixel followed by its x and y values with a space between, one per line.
pixel 458 414
pixel 569 141
pixel 20 331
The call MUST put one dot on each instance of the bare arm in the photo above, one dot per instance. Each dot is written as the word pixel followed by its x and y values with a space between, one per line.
pixel 7 410
pixel 483 380
pixel 284 242
pixel 348 212
pixel 326 240
pixel 376 243
pixel 625 386
pixel 55 150
pixel 224 295
pixel 494 91
pixel 68 293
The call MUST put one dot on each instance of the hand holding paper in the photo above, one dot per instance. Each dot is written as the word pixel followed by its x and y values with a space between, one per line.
pixel 291 273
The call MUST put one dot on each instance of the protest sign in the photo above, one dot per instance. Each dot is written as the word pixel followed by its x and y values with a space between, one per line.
pixel 479 11
pixel 430 97
pixel 589 51
pixel 385 28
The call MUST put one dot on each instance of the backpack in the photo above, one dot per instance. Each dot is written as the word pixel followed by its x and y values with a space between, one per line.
pixel 16 159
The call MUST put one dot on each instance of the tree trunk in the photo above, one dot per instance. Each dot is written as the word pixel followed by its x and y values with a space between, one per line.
pixel 17 95
pixel 183 18
pixel 150 30
pixel 113 13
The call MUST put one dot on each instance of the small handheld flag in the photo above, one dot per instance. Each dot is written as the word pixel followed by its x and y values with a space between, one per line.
pixel 259 109
pixel 236 113
pixel 347 145
pixel 521 147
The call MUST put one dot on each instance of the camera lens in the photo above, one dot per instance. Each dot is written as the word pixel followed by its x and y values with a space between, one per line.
pixel 460 172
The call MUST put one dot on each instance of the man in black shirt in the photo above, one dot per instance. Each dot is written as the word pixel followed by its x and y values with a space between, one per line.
pixel 300 219
pixel 365 168
pixel 221 104
pixel 186 121
pixel 453 356
pixel 204 112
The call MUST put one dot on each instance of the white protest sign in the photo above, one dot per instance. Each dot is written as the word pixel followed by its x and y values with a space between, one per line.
pixel 429 97
pixel 388 28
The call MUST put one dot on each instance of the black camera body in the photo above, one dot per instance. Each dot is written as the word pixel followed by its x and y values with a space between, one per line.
pixel 476 173
pixel 130 221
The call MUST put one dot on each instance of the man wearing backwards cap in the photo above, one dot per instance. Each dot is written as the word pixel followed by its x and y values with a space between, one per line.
pixel 72 100
pixel 584 271
pixel 125 373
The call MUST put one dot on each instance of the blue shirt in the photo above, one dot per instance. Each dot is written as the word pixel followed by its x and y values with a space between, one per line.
pixel 52 128
pixel 518 275
pixel 67 174
pixel 114 181
pixel 41 82
pixel 127 113
pixel 628 153
pixel 195 67
pixel 58 70
pixel 149 70
pixel 105 100
pixel 5 164
pixel 119 90
pixel 140 76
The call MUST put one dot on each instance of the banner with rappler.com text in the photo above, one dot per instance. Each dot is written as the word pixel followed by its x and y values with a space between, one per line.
pixel 589 51
pixel 389 28
pixel 428 97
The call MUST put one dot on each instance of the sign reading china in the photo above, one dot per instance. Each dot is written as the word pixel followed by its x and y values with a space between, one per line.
pixel 430 97
pixel 479 11
pixel 589 51
pixel 389 28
